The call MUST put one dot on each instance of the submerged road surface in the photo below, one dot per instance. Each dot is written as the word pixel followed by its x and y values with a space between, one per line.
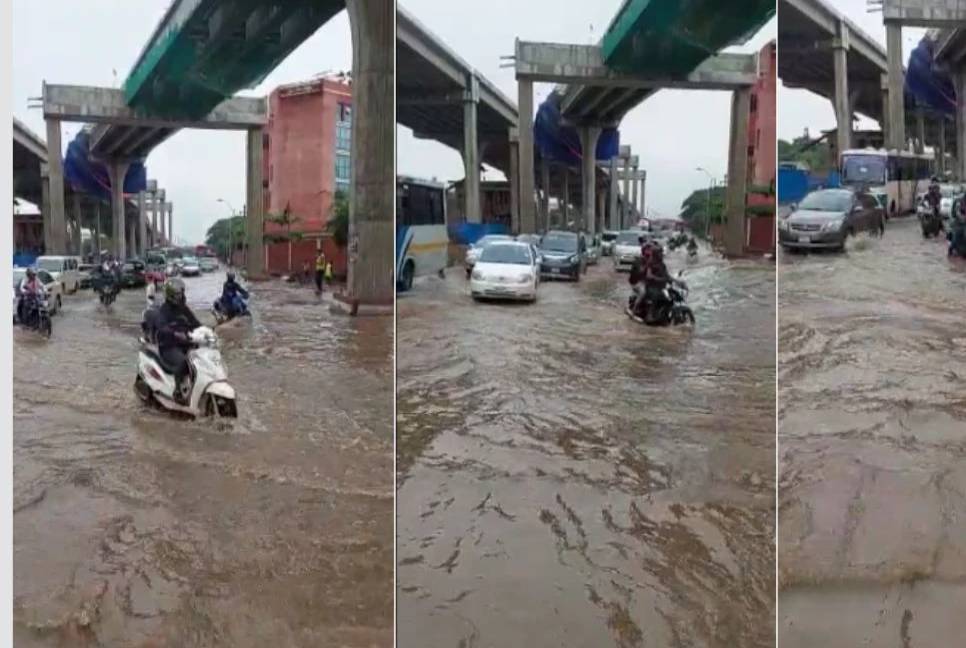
pixel 134 529
pixel 872 444
pixel 567 477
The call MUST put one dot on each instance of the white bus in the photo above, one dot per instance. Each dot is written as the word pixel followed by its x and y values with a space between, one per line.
pixel 422 242
pixel 894 178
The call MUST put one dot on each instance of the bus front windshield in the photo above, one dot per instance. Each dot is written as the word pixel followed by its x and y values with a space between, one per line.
pixel 863 169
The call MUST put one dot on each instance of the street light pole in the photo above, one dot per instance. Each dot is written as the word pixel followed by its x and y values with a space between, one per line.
pixel 231 226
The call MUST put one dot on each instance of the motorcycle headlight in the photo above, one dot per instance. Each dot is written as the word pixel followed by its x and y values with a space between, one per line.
pixel 478 275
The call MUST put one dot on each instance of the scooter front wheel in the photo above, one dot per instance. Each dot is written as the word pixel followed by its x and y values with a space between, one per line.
pixel 142 390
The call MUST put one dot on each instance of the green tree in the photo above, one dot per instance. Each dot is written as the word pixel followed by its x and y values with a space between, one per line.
pixel 814 153
pixel 218 237
pixel 696 209
pixel 284 219
pixel 338 224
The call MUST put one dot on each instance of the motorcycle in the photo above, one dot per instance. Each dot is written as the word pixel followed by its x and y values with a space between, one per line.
pixel 932 223
pixel 107 289
pixel 205 391
pixel 674 310
pixel 36 316
pixel 222 315
pixel 693 252
pixel 957 246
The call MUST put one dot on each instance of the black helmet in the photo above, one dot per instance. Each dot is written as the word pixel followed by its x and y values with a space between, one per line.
pixel 230 276
pixel 174 291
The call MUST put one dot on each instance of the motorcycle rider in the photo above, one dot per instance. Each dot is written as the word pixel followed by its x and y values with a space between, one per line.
pixel 656 278
pixel 957 236
pixel 636 278
pixel 934 196
pixel 174 323
pixel 32 290
pixel 692 246
pixel 230 292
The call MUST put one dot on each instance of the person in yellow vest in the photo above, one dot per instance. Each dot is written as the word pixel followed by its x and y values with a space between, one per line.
pixel 320 265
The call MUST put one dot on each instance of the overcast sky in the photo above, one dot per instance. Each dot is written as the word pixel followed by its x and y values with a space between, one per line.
pixel 673 132
pixel 800 109
pixel 84 42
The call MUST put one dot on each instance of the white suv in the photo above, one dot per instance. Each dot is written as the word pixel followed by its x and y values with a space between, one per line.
pixel 65 269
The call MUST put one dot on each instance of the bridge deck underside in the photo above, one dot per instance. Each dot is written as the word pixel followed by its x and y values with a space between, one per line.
pixel 428 102
pixel 602 105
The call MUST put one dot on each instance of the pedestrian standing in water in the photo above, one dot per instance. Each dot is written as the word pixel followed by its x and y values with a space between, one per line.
pixel 319 271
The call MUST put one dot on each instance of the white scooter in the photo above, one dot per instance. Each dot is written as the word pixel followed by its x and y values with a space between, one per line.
pixel 209 391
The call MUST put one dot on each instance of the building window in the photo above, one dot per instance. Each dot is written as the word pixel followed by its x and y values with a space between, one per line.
pixel 345 113
pixel 343 137
pixel 343 172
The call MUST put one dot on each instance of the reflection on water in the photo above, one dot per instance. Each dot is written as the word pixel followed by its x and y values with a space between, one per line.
pixel 568 477
pixel 132 528
pixel 872 454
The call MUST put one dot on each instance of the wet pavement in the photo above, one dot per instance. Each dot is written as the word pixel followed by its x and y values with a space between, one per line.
pixel 568 477
pixel 135 529
pixel 872 445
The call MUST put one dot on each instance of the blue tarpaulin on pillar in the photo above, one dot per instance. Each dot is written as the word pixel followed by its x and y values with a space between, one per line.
pixel 931 86
pixel 561 143
pixel 91 177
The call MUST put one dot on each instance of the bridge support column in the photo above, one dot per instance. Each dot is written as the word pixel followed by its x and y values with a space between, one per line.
pixel 514 183
pixel 255 205
pixel 588 176
pixel 471 151
pixel 941 148
pixel 634 194
pixel 142 224
pixel 737 172
pixel 372 193
pixel 170 209
pixel 643 189
pixel 960 81
pixel 545 202
pixel 612 191
pixel 525 133
pixel 162 215
pixel 76 230
pixel 116 170
pixel 884 124
pixel 601 212
pixel 843 108
pixel 897 115
pixel 131 226
pixel 627 211
pixel 96 248
pixel 55 222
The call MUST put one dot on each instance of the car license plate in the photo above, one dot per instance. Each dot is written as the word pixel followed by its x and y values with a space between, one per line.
pixel 804 239
pixel 554 270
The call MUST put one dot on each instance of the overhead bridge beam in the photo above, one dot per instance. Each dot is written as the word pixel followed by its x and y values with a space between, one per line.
pixel 924 13
pixel 94 105
pixel 584 65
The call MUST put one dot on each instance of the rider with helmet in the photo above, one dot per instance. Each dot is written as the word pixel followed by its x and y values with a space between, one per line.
pixel 175 321
pixel 230 291
pixel 31 289
pixel 934 195
pixel 656 278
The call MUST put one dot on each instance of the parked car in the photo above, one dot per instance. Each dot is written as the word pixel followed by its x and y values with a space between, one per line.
pixel 84 272
pixel 592 254
pixel 190 267
pixel 506 270
pixel 562 254
pixel 827 217
pixel 627 248
pixel 133 274
pixel 607 242
pixel 208 264
pixel 65 269
pixel 473 251
pixel 54 288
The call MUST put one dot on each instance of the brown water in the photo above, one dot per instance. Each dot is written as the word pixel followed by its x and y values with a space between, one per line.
pixel 567 477
pixel 872 445
pixel 132 528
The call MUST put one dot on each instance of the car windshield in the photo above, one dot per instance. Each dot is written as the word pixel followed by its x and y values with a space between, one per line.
pixel 50 265
pixel 831 201
pixel 628 238
pixel 609 236
pixel 491 238
pixel 864 169
pixel 559 243
pixel 515 254
pixel 190 260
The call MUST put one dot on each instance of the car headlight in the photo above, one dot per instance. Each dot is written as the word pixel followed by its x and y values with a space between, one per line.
pixel 478 275
pixel 524 279
pixel 783 224
pixel 832 226
pixel 575 258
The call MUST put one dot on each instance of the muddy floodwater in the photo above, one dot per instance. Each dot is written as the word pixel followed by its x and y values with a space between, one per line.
pixel 567 477
pixel 134 529
pixel 872 443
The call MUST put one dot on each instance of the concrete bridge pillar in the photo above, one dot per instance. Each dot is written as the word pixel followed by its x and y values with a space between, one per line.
pixel 142 224
pixel 959 78
pixel 941 148
pixel 525 133
pixel 612 191
pixel 897 115
pixel 626 174
pixel 170 209
pixel 372 193
pixel 884 124
pixel 737 172
pixel 76 238
pixel 643 180
pixel 545 201
pixel 116 170
pixel 255 203
pixel 54 220
pixel 152 193
pixel 514 182
pixel 589 135
pixel 159 197
pixel 471 151
pixel 96 248
pixel 634 193
pixel 843 108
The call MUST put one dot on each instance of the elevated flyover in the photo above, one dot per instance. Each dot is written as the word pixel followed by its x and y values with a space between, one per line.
pixel 443 98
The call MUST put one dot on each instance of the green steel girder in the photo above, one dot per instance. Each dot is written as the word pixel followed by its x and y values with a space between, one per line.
pixel 205 51
pixel 674 36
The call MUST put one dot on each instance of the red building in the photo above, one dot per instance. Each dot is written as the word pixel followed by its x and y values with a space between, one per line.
pixel 762 152
pixel 307 159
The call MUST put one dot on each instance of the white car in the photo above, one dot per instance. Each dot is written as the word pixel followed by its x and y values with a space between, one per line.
pixel 190 267
pixel 65 269
pixel 506 270
pixel 473 251
pixel 607 242
pixel 55 290
pixel 627 249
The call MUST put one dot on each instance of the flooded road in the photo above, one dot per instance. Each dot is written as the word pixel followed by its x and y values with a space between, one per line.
pixel 567 477
pixel 134 529
pixel 872 445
